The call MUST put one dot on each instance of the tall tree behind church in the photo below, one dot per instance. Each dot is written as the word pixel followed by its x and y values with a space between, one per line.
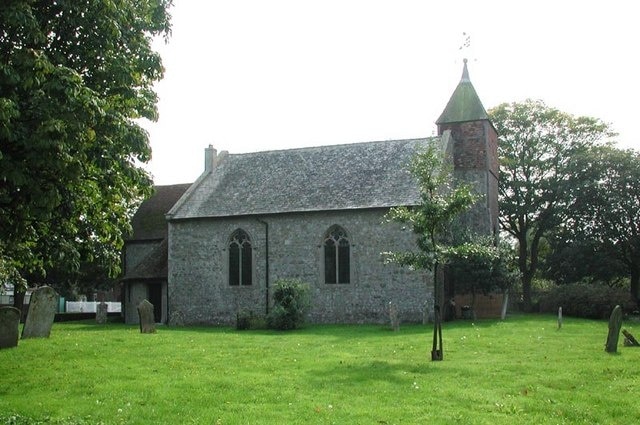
pixel 539 148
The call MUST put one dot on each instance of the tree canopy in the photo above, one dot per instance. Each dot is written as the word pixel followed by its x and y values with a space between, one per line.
pixel 74 78
pixel 607 210
pixel 539 149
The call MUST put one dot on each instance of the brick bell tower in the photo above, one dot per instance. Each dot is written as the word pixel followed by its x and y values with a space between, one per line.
pixel 475 153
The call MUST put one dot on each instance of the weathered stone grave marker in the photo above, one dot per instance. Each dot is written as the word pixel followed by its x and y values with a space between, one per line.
pixel 393 316
pixel 9 322
pixel 615 323
pixel 559 317
pixel 147 320
pixel 101 313
pixel 629 339
pixel 42 311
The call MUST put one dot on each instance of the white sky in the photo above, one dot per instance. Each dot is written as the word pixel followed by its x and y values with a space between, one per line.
pixel 251 75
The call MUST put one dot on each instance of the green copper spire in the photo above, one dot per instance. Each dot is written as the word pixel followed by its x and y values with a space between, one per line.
pixel 464 104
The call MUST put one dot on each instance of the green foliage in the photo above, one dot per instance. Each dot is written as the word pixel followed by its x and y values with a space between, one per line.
pixel 607 209
pixel 538 151
pixel 431 221
pixel 10 275
pixel 290 304
pixel 590 301
pixel 73 78
pixel 482 267
pixel 575 258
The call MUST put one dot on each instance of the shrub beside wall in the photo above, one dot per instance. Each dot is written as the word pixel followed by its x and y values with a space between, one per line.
pixel 290 304
pixel 586 300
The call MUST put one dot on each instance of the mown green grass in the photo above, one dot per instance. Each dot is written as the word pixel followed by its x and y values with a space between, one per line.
pixel 523 370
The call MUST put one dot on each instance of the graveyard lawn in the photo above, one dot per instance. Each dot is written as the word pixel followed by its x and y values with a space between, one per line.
pixel 522 370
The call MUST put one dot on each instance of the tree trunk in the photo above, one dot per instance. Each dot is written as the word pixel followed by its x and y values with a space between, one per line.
pixel 437 352
pixel 523 255
pixel 635 284
pixel 526 291
pixel 528 264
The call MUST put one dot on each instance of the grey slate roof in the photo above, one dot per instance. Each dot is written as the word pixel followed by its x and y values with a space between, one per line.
pixel 149 220
pixel 338 177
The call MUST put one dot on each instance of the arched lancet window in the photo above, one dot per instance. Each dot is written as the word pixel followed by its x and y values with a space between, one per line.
pixel 337 256
pixel 240 259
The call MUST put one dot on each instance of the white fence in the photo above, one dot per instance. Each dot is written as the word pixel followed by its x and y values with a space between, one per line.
pixel 90 306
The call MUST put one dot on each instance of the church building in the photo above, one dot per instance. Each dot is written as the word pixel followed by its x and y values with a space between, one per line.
pixel 316 214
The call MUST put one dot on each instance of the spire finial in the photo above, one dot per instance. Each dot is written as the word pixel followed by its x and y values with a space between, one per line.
pixel 465 71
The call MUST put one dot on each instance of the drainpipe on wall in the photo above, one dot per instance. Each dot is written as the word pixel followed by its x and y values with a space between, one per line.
pixel 266 265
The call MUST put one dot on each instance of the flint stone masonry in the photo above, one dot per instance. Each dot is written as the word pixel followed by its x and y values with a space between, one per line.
pixel 200 293
pixel 9 322
pixel 42 311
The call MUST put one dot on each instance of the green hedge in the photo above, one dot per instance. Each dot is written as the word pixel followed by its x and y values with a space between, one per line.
pixel 591 301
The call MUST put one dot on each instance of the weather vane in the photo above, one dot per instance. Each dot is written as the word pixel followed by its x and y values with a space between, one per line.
pixel 465 47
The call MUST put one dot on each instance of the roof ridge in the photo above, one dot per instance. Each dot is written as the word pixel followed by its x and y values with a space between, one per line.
pixel 337 145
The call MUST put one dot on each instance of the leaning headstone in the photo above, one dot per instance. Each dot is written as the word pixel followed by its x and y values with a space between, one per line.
pixel 393 316
pixel 615 323
pixel 9 322
pixel 629 339
pixel 147 320
pixel 101 313
pixel 42 311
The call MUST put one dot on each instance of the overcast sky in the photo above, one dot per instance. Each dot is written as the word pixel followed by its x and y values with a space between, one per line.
pixel 250 75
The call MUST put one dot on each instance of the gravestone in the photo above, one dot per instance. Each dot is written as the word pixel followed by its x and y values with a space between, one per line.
pixel 629 339
pixel 615 323
pixel 559 317
pixel 42 311
pixel 393 316
pixel 147 320
pixel 101 313
pixel 9 322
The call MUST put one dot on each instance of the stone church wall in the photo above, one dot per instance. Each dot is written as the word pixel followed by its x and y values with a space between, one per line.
pixel 199 292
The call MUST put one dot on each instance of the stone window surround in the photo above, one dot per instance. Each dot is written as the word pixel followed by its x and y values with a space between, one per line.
pixel 227 271
pixel 321 258
pixel 255 251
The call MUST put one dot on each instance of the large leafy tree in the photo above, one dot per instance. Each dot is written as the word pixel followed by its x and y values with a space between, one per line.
pixel 607 211
pixel 577 257
pixel 74 78
pixel 539 148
